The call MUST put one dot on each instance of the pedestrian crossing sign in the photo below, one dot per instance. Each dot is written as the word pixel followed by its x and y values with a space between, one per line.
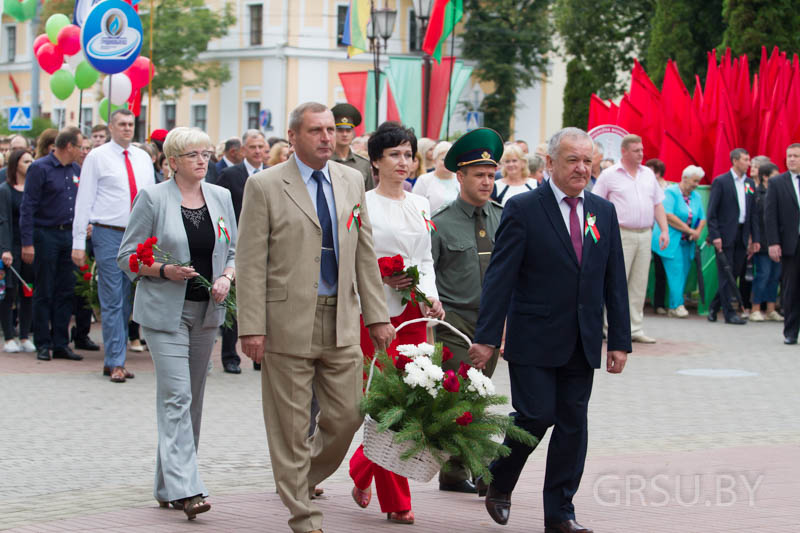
pixel 19 118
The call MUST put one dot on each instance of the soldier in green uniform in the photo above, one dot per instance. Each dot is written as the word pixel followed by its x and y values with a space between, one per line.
pixel 347 117
pixel 462 247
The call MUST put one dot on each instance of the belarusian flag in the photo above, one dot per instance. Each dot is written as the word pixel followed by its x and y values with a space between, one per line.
pixel 444 17
pixel 13 85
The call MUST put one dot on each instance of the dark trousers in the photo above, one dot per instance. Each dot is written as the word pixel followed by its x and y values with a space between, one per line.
pixel 790 295
pixel 737 258
pixel 660 289
pixel 54 292
pixel 544 397
pixel 15 295
pixel 229 338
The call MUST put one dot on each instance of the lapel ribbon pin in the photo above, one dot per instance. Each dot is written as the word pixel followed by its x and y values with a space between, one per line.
pixel 222 233
pixel 355 216
pixel 429 225
pixel 591 227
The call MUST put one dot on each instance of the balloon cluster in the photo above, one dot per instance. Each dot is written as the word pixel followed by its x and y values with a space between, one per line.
pixel 19 10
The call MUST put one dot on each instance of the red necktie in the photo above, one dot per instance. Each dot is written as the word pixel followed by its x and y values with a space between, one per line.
pixel 575 227
pixel 131 177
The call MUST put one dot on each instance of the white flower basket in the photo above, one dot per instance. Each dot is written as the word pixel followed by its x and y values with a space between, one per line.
pixel 380 447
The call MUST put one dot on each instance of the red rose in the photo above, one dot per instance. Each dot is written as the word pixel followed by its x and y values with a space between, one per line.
pixel 150 242
pixel 465 419
pixel 385 265
pixel 462 370
pixel 401 362
pixel 84 268
pixel 451 383
pixel 87 276
pixel 133 263
pixel 397 264
pixel 446 354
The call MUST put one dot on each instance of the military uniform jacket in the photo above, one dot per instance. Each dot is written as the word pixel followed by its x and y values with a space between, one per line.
pixel 362 164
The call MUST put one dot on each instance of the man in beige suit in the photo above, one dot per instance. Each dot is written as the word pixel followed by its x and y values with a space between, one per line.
pixel 300 273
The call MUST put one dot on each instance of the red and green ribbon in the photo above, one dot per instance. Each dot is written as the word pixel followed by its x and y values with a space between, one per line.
pixel 429 225
pixel 591 228
pixel 355 216
pixel 222 233
pixel 748 188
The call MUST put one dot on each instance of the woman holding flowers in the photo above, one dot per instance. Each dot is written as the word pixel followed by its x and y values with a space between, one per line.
pixel 180 243
pixel 401 229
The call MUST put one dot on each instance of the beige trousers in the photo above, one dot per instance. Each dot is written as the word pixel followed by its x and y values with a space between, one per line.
pixel 636 247
pixel 300 462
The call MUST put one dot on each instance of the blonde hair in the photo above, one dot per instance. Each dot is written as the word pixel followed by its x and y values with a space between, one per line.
pixel 420 164
pixel 423 145
pixel 441 149
pixel 514 150
pixel 179 139
pixel 630 139
pixel 275 153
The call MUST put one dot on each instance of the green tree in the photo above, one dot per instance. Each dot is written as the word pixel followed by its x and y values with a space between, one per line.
pixel 684 31
pixel 510 40
pixel 600 41
pixel 752 24
pixel 182 31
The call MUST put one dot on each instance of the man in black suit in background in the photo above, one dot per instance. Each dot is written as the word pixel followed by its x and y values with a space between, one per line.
pixel 233 178
pixel 732 230
pixel 783 227
pixel 231 155
pixel 557 260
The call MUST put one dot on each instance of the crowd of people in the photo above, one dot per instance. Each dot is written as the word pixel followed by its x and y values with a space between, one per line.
pixel 510 246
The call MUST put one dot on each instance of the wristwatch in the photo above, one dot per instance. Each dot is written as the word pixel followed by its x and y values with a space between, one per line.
pixel 229 276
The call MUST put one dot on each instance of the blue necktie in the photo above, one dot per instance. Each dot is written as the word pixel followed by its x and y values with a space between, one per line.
pixel 330 270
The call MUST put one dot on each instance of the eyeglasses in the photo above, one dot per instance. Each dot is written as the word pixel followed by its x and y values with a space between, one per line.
pixel 192 156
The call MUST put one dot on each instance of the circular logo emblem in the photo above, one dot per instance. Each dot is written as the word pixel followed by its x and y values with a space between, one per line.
pixel 114 23
pixel 111 36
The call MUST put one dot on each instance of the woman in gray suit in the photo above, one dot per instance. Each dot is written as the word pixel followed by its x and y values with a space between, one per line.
pixel 194 222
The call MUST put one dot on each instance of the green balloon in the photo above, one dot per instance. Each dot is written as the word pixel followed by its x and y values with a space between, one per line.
pixel 54 25
pixel 103 108
pixel 85 75
pixel 13 8
pixel 28 9
pixel 62 84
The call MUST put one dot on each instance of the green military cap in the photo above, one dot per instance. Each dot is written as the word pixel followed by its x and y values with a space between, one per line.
pixel 482 146
pixel 346 116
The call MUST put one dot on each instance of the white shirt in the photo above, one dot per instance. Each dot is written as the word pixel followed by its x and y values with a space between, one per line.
pixel 104 193
pixel 252 170
pixel 398 227
pixel 564 206
pixel 228 162
pixel 739 183
pixel 513 190
pixel 327 190
pixel 438 191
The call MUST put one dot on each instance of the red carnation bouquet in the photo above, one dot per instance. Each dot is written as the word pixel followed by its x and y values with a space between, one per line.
pixel 86 285
pixel 148 252
pixel 395 266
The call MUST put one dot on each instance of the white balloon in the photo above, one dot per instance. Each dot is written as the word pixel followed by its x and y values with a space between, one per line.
pixel 74 60
pixel 120 88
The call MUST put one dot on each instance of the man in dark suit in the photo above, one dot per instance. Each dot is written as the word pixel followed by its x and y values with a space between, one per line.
pixel 557 261
pixel 783 226
pixel 732 230
pixel 233 178
pixel 231 155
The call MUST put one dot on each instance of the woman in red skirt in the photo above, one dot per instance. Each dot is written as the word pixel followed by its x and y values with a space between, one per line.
pixel 399 227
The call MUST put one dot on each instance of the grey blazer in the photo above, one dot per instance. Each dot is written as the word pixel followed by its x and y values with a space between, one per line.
pixel 158 303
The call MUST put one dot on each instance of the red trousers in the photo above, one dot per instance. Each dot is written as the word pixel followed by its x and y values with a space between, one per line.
pixel 394 494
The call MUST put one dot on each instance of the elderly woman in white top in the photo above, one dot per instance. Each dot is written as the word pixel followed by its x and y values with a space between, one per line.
pixel 516 175
pixel 400 226
pixel 440 187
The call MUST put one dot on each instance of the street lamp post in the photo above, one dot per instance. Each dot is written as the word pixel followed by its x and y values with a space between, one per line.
pixel 423 14
pixel 381 26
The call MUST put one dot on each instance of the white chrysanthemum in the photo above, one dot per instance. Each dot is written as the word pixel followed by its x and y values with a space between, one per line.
pixel 409 350
pixel 479 383
pixel 421 372
pixel 426 349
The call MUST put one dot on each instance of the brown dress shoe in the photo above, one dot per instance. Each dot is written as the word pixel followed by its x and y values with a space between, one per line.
pixel 498 504
pixel 568 526
pixel 118 374
pixel 128 373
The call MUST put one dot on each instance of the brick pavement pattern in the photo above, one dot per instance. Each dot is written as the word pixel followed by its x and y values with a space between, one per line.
pixel 667 451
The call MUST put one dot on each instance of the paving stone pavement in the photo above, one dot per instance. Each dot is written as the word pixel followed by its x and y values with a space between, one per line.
pixel 667 451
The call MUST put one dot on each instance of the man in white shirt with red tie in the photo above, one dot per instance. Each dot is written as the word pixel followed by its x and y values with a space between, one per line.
pixel 111 176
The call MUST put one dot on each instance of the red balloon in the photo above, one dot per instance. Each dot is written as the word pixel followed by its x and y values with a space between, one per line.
pixel 69 40
pixel 140 72
pixel 39 41
pixel 50 58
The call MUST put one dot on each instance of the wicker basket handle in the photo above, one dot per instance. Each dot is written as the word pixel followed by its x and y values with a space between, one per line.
pixel 404 324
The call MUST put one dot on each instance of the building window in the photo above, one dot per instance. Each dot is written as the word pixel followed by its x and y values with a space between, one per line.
pixel 256 24
pixel 87 116
pixel 341 17
pixel 199 116
pixel 253 110
pixel 11 41
pixel 141 125
pixel 169 116
pixel 59 114
pixel 413 32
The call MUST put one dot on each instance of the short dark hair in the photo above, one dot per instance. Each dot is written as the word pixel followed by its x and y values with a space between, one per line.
pixel 124 112
pixel 67 136
pixel 765 170
pixel 737 153
pixel 272 141
pixel 100 127
pixel 657 166
pixel 13 163
pixel 232 143
pixel 389 135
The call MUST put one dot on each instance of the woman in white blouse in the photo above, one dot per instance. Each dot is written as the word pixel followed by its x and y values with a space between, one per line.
pixel 516 175
pixel 440 187
pixel 400 225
